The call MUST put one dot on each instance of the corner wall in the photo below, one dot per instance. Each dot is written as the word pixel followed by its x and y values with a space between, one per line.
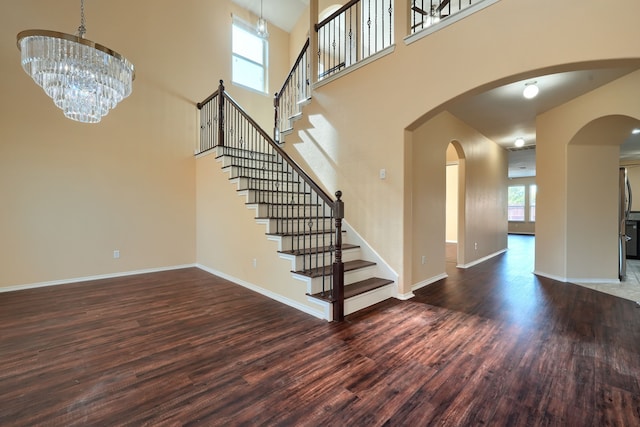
pixel 72 193
pixel 358 122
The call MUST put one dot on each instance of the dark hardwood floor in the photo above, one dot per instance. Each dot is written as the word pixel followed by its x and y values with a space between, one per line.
pixel 490 345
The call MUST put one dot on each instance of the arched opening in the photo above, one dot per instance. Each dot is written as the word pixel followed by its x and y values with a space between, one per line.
pixel 594 225
pixel 455 196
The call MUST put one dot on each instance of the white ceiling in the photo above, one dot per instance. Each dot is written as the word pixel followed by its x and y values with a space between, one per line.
pixel 501 114
pixel 281 13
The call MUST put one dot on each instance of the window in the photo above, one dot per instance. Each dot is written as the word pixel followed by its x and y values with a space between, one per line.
pixel 522 203
pixel 249 57
pixel 532 202
pixel 516 203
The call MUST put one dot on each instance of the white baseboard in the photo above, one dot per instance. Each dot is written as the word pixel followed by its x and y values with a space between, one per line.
pixel 481 260
pixel 404 297
pixel 269 294
pixel 549 276
pixel 91 278
pixel 429 281
pixel 608 281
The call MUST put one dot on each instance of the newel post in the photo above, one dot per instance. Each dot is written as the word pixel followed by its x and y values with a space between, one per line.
pixel 338 266
pixel 221 114
pixel 276 128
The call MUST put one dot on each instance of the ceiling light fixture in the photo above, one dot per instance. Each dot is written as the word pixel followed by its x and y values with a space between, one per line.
pixel 261 25
pixel 83 78
pixel 635 131
pixel 519 142
pixel 530 90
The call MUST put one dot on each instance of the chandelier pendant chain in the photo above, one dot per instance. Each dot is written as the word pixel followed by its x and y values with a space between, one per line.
pixel 82 30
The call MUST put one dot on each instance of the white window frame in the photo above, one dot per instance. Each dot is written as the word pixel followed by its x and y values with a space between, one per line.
pixel 239 23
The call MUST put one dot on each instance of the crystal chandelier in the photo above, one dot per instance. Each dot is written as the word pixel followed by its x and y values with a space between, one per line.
pixel 83 78
pixel 261 25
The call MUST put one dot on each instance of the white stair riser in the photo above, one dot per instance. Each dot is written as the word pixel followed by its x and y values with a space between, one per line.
pixel 368 299
pixel 288 211
pixel 244 183
pixel 237 152
pixel 257 196
pixel 288 243
pixel 315 285
pixel 252 163
pixel 353 304
pixel 300 262
pixel 287 226
pixel 244 172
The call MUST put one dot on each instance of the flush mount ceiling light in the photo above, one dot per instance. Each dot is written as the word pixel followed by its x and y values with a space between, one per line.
pixel 519 142
pixel 83 78
pixel 261 25
pixel 635 131
pixel 530 90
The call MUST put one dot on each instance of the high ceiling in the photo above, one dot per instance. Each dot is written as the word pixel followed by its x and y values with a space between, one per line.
pixel 281 13
pixel 501 113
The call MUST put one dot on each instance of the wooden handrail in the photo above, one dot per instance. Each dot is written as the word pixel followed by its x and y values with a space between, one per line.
pixel 280 151
pixel 293 69
pixel 335 14
pixel 323 204
pixel 208 98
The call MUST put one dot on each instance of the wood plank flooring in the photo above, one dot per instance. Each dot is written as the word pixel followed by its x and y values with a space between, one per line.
pixel 490 345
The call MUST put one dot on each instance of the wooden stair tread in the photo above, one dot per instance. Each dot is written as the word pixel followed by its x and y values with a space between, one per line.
pixel 311 251
pixel 357 288
pixel 261 157
pixel 328 270
pixel 292 217
pixel 228 150
pixel 278 192
pixel 312 205
pixel 266 171
pixel 306 233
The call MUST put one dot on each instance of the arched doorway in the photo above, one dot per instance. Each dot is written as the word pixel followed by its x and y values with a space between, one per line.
pixel 454 238
pixel 593 160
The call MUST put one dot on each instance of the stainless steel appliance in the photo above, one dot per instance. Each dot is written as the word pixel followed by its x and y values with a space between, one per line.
pixel 624 208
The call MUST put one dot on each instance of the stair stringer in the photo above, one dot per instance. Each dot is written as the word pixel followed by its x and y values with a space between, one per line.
pixel 369 253
pixel 314 285
pixel 279 285
pixel 299 124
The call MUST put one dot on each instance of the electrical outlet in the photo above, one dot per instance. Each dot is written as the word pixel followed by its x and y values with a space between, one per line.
pixel 475 246
pixel 255 262
pixel 383 173
pixel 116 254
pixel 424 259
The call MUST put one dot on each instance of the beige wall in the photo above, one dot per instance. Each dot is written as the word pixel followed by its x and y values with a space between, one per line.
pixel 578 143
pixel 356 124
pixel 229 239
pixel 72 193
pixel 483 192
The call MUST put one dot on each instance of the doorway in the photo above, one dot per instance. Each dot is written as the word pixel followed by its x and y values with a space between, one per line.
pixel 454 234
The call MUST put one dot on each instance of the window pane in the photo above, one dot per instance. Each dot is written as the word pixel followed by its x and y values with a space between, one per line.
pixel 516 203
pixel 248 74
pixel 248 45
pixel 532 202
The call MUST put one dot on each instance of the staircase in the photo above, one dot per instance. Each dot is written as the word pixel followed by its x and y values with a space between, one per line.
pixel 297 214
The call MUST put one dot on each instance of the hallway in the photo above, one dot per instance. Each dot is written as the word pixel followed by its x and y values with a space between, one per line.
pixel 521 250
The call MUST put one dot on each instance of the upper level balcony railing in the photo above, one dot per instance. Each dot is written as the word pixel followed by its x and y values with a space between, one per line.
pixel 352 33
pixel 425 13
